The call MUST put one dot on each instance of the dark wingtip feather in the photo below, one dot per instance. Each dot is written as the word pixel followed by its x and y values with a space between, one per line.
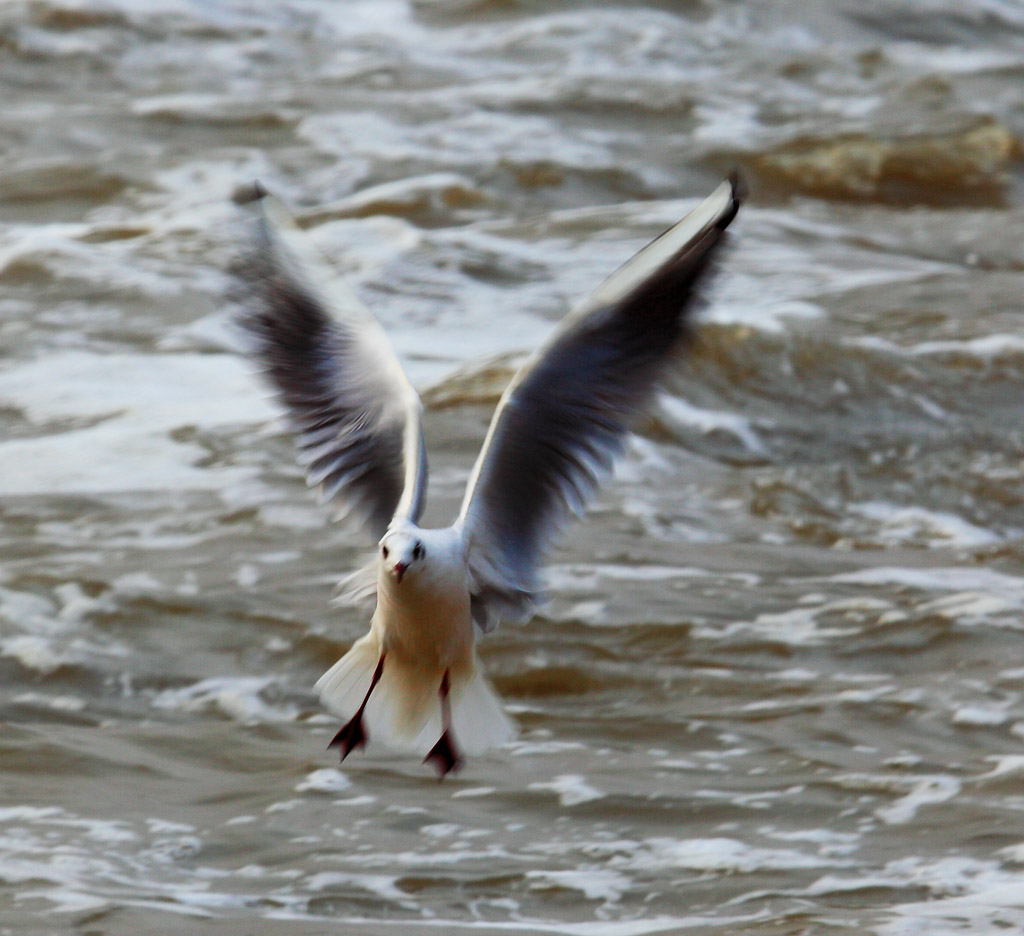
pixel 739 195
pixel 247 193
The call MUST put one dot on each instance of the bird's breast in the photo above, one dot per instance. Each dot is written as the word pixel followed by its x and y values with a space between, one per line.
pixel 425 626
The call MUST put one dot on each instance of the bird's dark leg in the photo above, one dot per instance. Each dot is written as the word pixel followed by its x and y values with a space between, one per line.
pixel 353 735
pixel 444 754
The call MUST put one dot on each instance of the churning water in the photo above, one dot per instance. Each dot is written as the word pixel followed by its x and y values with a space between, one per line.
pixel 779 688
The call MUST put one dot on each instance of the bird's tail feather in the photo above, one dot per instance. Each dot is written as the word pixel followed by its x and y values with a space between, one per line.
pixel 478 720
pixel 404 710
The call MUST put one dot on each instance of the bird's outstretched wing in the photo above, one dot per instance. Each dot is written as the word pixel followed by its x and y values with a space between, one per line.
pixel 355 415
pixel 565 415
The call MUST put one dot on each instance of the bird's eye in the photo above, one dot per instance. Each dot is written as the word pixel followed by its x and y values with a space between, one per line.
pixel 384 551
pixel 417 551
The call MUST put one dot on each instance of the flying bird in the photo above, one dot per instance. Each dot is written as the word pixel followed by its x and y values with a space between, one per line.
pixel 414 681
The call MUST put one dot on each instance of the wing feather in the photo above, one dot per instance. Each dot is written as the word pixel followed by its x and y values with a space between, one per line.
pixel 565 416
pixel 355 416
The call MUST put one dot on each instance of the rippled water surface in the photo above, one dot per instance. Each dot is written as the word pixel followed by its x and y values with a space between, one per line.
pixel 779 686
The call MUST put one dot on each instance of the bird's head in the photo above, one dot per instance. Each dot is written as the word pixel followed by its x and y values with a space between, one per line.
pixel 403 552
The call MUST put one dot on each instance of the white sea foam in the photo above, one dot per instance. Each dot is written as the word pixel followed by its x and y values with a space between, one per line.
pixel 967 896
pixel 41 633
pixel 535 747
pixel 925 791
pixel 34 653
pixel 979 716
pixel 571 789
pixel 967 606
pixel 987 348
pixel 524 926
pixel 324 780
pixel 917 791
pixel 828 842
pixel 58 703
pixel 380 885
pixel 726 855
pixel 592 883
pixel 801 626
pixel 1005 765
pixel 472 792
pixel 970 580
pixel 711 421
pixel 920 525
pixel 133 402
pixel 29 611
pixel 775 275
pixel 592 578
pixel 949 59
pixel 237 697
pixel 59 248
pixel 71 863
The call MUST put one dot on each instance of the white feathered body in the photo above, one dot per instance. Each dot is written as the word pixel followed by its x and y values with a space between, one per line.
pixel 422 626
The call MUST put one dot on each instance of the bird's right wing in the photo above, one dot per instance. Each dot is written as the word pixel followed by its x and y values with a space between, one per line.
pixel 355 415
pixel 565 415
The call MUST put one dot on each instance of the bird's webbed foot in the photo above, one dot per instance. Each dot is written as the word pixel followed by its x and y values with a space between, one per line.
pixel 444 756
pixel 351 736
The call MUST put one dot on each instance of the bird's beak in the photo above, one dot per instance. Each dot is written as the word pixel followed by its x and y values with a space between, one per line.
pixel 400 568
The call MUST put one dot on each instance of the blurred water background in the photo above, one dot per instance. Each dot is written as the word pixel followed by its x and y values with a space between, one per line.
pixel 779 688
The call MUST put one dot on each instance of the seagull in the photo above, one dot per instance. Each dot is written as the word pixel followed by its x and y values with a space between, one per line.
pixel 414 681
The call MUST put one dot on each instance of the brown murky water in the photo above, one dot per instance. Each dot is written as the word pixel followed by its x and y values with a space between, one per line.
pixel 779 688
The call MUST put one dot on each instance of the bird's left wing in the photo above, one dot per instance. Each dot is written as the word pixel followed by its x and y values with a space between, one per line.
pixel 355 415
pixel 565 415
